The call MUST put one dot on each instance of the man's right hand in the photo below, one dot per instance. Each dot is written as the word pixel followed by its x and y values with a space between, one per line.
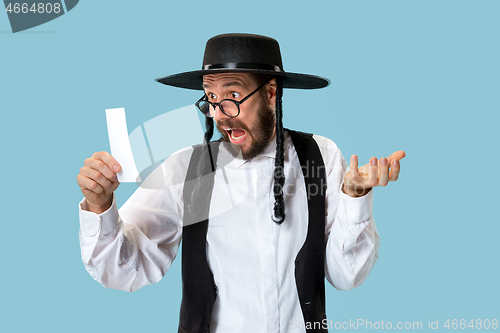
pixel 97 180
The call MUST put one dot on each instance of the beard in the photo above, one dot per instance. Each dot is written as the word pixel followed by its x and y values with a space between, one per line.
pixel 260 132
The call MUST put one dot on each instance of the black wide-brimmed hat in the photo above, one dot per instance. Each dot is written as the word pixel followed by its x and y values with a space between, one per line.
pixel 243 53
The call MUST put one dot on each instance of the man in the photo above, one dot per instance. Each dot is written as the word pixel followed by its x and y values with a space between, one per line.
pixel 264 215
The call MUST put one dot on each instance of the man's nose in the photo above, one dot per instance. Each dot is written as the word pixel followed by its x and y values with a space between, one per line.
pixel 218 114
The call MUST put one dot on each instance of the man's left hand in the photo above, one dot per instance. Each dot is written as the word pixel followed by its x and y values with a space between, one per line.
pixel 359 181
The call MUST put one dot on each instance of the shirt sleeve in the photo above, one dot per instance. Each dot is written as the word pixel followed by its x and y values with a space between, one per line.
pixel 133 247
pixel 352 240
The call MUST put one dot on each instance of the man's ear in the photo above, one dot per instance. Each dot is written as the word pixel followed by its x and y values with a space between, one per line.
pixel 271 88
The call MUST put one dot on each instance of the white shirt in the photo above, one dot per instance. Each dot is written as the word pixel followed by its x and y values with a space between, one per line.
pixel 251 257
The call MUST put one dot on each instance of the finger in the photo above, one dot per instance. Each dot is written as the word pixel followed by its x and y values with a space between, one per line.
pixel 354 167
pixel 394 174
pixel 99 165
pixel 396 156
pixel 97 177
pixel 383 177
pixel 86 184
pixel 108 159
pixel 102 167
pixel 373 173
pixel 114 185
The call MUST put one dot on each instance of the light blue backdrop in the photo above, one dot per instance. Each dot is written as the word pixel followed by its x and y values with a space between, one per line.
pixel 422 76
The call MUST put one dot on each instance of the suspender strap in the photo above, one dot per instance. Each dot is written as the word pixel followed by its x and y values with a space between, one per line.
pixel 198 286
pixel 310 261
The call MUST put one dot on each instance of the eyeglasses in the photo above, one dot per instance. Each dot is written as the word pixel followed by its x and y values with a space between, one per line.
pixel 229 107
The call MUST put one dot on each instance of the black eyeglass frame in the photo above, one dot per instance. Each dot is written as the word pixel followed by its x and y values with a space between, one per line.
pixel 204 98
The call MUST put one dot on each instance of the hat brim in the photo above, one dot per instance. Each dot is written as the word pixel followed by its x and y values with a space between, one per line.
pixel 194 80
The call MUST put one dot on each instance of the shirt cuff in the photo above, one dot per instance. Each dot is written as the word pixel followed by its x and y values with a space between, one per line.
pixel 356 210
pixel 91 223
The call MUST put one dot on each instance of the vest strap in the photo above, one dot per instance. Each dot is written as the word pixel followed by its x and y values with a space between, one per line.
pixel 198 286
pixel 310 261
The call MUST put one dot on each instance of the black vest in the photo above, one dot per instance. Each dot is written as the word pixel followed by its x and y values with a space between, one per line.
pixel 198 287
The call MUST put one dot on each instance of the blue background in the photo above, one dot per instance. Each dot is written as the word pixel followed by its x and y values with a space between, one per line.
pixel 422 76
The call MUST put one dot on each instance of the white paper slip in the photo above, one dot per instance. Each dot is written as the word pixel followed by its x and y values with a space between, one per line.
pixel 120 145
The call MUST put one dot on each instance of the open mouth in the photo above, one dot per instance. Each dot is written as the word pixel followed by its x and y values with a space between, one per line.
pixel 236 135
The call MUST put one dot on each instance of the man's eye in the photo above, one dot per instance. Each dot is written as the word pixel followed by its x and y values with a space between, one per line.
pixel 211 96
pixel 235 95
